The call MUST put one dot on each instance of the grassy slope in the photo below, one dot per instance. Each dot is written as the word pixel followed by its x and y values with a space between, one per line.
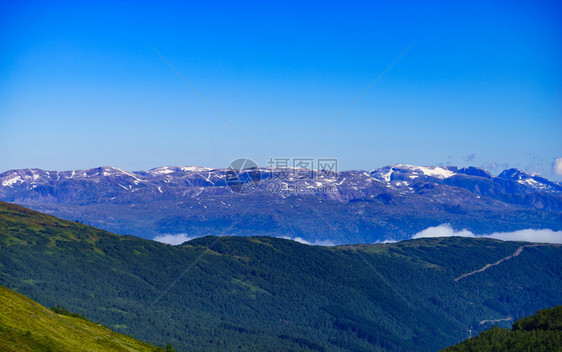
pixel 255 293
pixel 28 326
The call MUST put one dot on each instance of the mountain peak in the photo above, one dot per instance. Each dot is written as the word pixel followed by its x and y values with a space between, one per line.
pixel 475 171
pixel 514 174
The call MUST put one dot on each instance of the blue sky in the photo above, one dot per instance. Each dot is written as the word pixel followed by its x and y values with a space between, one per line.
pixel 81 86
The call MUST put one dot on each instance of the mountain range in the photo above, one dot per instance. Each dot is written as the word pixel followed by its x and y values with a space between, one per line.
pixel 390 203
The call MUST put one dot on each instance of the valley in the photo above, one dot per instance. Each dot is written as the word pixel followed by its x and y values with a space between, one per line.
pixel 261 293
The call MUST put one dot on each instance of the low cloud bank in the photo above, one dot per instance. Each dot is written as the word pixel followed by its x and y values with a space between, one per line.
pixel 529 235
pixel 173 239
pixel 179 238
pixel 443 230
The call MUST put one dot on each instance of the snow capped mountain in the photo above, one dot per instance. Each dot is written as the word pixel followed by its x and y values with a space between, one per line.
pixel 411 172
pixel 533 182
pixel 398 177
pixel 391 202
pixel 14 177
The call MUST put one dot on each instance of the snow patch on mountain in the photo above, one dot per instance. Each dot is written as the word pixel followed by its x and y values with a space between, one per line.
pixel 195 168
pixel 434 171
pixel 11 181
pixel 386 175
pixel 431 171
pixel 407 173
pixel 161 170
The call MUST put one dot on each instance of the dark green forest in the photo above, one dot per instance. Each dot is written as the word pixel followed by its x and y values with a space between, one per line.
pixel 541 332
pixel 268 294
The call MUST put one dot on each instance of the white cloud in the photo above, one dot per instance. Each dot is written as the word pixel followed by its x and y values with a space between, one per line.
pixel 557 166
pixel 385 241
pixel 325 243
pixel 173 239
pixel 300 240
pixel 529 235
pixel 443 230
pixel 470 157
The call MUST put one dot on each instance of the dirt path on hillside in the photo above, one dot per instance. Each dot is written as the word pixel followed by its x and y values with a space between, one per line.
pixel 487 266
pixel 496 320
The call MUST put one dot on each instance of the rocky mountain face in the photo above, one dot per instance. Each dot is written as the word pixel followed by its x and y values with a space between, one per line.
pixel 390 203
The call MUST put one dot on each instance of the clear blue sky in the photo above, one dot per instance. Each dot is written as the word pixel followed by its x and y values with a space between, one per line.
pixel 81 86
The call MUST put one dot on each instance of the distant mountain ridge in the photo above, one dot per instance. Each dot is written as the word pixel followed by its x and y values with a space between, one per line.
pixel 392 202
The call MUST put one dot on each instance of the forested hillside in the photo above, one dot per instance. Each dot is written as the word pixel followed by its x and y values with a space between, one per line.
pixel 262 293
pixel 541 332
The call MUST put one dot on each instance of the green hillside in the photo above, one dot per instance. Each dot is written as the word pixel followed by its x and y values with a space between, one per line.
pixel 541 332
pixel 28 326
pixel 269 294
